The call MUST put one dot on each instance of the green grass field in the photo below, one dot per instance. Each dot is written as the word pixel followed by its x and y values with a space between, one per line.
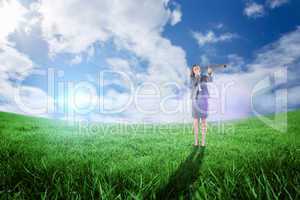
pixel 47 159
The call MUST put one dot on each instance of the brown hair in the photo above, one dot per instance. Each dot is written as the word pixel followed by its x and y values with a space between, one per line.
pixel 192 71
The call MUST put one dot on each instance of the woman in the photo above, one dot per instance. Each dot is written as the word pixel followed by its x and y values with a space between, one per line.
pixel 199 95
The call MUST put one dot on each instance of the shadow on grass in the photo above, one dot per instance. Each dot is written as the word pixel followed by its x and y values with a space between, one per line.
pixel 180 181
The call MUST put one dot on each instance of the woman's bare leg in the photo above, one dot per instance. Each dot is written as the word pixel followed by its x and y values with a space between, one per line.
pixel 203 121
pixel 196 130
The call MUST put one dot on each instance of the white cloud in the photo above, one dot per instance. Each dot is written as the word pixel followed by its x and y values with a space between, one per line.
pixel 219 26
pixel 14 68
pixel 14 65
pixel 254 10
pixel 284 51
pixel 68 29
pixel 269 60
pixel 210 37
pixel 76 60
pixel 32 101
pixel 132 25
pixel 119 64
pixel 11 14
pixel 276 3
pixel 122 71
pixel 176 15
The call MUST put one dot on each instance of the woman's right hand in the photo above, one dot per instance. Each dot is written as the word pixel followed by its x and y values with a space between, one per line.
pixel 209 71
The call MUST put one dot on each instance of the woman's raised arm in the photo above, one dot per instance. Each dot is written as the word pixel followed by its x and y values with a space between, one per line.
pixel 209 72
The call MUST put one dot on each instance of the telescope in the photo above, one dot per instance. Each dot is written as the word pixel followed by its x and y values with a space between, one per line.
pixel 204 69
pixel 213 66
pixel 216 66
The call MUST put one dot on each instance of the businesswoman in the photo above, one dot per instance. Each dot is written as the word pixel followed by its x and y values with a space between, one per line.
pixel 199 95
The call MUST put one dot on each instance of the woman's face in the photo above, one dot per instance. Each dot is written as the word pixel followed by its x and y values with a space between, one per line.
pixel 196 70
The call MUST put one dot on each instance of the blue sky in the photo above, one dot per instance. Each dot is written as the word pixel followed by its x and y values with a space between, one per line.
pixel 253 32
pixel 147 48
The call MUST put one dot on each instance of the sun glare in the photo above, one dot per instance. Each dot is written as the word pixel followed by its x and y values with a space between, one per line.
pixel 81 101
